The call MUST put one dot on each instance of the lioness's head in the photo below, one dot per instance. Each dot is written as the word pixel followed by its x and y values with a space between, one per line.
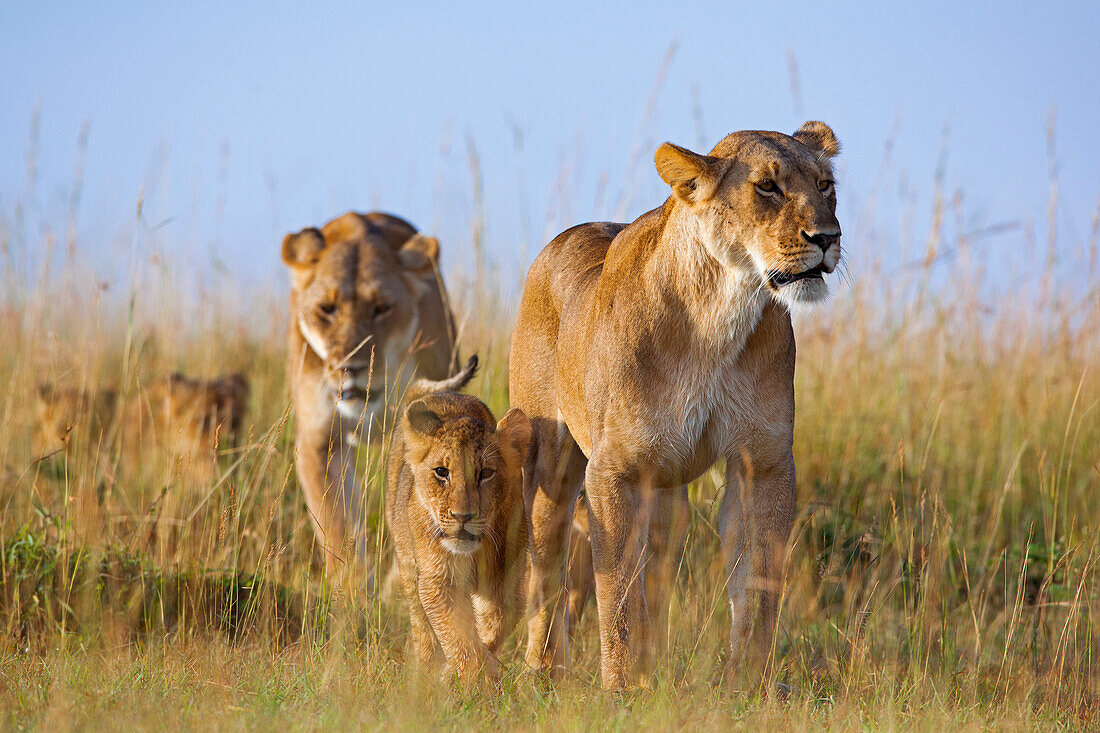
pixel 356 284
pixel 466 468
pixel 767 201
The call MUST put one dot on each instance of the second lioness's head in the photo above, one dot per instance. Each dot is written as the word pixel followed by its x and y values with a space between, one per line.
pixel 356 288
pixel 765 201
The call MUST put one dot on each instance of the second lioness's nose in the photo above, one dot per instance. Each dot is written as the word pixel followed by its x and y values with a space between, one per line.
pixel 823 239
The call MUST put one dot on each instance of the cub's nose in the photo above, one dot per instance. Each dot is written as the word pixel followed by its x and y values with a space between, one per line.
pixel 462 518
pixel 824 239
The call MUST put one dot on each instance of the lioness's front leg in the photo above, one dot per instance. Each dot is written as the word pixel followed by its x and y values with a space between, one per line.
pixel 755 522
pixel 619 523
pixel 314 462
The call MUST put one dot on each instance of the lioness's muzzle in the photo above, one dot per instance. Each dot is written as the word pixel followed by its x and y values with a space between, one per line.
pixel 780 279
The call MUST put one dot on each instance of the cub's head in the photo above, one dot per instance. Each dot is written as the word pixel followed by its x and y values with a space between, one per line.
pixel 204 409
pixel 63 409
pixel 766 201
pixel 356 286
pixel 467 469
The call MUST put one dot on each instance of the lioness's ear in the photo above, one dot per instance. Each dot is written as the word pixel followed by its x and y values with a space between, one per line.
pixel 420 254
pixel 345 227
pixel 422 419
pixel 301 252
pixel 693 177
pixel 818 137
pixel 515 430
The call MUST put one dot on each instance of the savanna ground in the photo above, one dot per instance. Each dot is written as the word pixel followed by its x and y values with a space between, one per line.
pixel 943 563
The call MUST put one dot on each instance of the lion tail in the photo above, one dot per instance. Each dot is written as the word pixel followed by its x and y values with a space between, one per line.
pixel 421 387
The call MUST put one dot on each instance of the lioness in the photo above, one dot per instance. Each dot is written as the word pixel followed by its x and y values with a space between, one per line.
pixel 643 352
pixel 454 504
pixel 367 312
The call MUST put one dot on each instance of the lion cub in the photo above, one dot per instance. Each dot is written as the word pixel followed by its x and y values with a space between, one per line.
pixel 455 505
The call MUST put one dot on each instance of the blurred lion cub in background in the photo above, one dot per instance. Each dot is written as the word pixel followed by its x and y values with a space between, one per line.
pixel 455 506
pixel 188 417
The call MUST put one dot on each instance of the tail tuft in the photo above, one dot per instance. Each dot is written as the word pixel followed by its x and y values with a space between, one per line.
pixel 421 387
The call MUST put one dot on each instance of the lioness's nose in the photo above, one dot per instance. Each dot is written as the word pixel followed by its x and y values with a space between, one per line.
pixel 352 373
pixel 822 239
pixel 462 518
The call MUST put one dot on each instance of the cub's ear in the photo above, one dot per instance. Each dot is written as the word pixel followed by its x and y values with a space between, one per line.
pixel 422 419
pixel 693 177
pixel 420 254
pixel 818 137
pixel 301 252
pixel 514 429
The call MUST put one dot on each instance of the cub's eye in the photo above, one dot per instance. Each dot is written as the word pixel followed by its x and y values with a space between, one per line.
pixel 825 186
pixel 327 309
pixel 442 472
pixel 382 309
pixel 486 474
pixel 767 186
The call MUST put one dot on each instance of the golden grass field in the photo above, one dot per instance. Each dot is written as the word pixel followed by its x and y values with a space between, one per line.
pixel 943 563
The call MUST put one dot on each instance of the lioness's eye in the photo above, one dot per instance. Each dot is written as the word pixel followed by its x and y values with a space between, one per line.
pixel 442 472
pixel 768 186
pixel 382 309
pixel 824 186
pixel 327 308
pixel 486 474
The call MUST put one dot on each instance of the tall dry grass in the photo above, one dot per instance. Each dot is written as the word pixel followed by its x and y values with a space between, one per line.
pixel 942 571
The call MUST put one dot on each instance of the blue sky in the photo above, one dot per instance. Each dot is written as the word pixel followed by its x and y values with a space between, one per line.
pixel 241 121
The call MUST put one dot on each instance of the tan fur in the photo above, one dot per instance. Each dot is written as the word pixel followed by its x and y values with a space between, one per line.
pixel 668 525
pixel 460 539
pixel 188 417
pixel 201 413
pixel 367 312
pixel 643 353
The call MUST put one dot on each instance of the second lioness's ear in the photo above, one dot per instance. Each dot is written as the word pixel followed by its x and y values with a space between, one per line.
pixel 420 254
pixel 818 137
pixel 301 252
pixel 692 177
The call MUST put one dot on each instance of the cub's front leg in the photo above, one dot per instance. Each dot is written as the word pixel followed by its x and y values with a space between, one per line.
pixel 501 572
pixel 450 611
pixel 422 641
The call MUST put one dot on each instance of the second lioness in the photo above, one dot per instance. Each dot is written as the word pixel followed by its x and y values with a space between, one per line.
pixel 455 507
pixel 367 313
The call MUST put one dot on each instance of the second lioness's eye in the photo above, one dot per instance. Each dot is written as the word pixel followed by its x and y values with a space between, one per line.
pixel 381 309
pixel 442 472
pixel 327 308
pixel 486 474
pixel 768 186
pixel 825 186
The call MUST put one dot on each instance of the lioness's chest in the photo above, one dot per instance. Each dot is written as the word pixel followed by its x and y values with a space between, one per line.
pixel 699 415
